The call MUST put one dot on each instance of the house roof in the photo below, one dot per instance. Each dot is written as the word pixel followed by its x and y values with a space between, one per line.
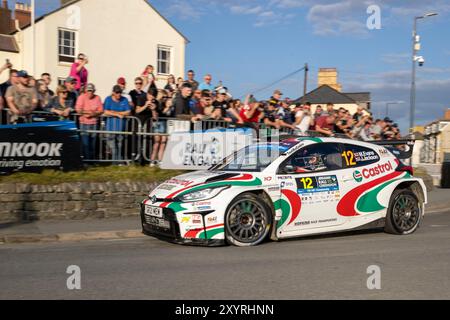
pixel 8 43
pixel 326 94
pixel 359 96
pixel 75 1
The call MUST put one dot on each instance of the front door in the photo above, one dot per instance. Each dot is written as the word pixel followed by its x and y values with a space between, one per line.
pixel 312 184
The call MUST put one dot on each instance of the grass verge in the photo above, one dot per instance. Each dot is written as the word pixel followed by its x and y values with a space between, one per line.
pixel 93 174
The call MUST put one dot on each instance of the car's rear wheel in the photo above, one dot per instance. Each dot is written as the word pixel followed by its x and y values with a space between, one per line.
pixel 404 213
pixel 248 221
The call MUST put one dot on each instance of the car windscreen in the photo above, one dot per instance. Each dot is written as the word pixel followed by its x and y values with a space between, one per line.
pixel 254 158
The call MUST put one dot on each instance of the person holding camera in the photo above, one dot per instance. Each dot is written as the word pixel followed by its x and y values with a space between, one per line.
pixel 79 72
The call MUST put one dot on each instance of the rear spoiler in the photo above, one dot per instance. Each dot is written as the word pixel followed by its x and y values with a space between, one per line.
pixel 402 149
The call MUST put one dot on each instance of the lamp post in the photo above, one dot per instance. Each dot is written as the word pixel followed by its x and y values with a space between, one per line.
pixel 415 59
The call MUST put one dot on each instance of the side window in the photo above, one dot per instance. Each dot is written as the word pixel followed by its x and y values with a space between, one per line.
pixel 357 156
pixel 315 158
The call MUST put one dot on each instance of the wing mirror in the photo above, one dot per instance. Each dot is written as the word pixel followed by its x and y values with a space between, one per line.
pixel 289 169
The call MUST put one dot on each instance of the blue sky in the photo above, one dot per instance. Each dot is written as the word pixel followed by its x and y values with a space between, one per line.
pixel 249 44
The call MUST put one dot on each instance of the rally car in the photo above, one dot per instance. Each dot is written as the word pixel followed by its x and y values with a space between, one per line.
pixel 296 187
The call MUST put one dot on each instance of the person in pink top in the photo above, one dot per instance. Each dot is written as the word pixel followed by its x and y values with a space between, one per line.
pixel 89 106
pixel 79 72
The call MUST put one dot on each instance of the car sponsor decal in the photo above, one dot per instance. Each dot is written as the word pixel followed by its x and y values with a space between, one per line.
pixel 290 208
pixel 200 233
pixel 246 180
pixel 347 206
pixel 369 201
pixel 317 184
pixel 357 175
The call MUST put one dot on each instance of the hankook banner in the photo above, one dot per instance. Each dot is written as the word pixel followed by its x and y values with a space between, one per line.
pixel 38 146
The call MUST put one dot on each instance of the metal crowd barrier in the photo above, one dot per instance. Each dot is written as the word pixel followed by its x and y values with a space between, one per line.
pixel 128 140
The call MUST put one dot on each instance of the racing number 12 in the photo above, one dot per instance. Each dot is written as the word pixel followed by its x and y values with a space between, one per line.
pixel 307 183
pixel 349 158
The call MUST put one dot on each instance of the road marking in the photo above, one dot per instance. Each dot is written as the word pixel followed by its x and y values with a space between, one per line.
pixel 438 225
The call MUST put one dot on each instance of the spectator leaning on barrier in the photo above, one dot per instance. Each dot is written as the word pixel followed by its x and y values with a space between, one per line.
pixel 181 102
pixel 137 93
pixel 251 113
pixel 60 104
pixel 89 106
pixel 116 108
pixel 79 72
pixel 325 124
pixel 21 98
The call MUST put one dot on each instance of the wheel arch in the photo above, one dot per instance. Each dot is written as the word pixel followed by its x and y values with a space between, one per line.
pixel 268 200
pixel 416 188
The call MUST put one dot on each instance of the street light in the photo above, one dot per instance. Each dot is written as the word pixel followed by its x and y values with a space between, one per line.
pixel 421 61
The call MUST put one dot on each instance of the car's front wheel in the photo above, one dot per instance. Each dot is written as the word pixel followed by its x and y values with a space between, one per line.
pixel 404 213
pixel 248 221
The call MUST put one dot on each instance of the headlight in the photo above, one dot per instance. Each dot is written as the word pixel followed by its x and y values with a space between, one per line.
pixel 199 195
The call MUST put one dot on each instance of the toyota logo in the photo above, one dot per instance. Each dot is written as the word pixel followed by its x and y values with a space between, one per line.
pixel 154 199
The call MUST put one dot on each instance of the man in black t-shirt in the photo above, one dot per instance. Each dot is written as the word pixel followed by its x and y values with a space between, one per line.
pixel 137 93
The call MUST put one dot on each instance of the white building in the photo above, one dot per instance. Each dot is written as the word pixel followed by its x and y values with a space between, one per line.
pixel 120 38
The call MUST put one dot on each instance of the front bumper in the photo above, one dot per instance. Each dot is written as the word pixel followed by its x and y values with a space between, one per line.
pixel 173 234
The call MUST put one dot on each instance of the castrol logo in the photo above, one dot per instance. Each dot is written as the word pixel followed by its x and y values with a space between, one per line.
pixel 378 170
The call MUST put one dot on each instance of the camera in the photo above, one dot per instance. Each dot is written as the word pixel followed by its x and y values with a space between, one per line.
pixel 420 60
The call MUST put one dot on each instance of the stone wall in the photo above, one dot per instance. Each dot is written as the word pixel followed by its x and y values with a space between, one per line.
pixel 25 202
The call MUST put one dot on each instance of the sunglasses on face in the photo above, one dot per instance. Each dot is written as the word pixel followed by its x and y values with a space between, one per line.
pixel 64 92
pixel 138 83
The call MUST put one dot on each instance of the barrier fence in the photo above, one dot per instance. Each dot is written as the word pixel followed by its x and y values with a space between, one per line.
pixel 124 140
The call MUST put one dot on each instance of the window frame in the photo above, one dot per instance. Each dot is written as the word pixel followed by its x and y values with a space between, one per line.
pixel 67 59
pixel 282 165
pixel 167 61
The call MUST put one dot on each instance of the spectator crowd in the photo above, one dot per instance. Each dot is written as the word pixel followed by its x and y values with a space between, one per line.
pixel 184 99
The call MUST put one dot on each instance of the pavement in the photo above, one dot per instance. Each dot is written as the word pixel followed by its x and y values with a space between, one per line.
pixel 125 228
pixel 327 267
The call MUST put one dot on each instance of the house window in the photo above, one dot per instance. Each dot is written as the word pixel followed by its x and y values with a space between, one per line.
pixel 164 55
pixel 61 81
pixel 66 45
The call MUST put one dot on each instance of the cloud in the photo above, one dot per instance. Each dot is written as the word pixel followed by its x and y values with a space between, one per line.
pixel 433 96
pixel 396 58
pixel 183 10
pixel 245 10
pixel 338 18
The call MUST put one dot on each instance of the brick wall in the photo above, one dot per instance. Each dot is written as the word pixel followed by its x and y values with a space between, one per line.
pixel 23 202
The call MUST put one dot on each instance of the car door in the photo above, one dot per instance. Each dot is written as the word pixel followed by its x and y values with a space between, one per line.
pixel 311 187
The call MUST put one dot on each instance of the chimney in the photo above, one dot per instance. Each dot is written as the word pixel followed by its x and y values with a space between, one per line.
pixel 6 23
pixel 329 76
pixel 23 14
pixel 447 115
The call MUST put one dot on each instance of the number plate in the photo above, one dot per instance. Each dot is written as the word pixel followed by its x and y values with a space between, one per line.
pixel 158 222
pixel 154 211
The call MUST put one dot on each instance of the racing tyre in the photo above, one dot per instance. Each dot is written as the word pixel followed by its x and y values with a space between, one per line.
pixel 248 221
pixel 404 213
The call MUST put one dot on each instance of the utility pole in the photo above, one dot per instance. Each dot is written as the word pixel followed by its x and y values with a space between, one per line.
pixel 305 82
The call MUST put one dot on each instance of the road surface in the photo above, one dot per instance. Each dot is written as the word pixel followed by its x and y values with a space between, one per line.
pixel 329 267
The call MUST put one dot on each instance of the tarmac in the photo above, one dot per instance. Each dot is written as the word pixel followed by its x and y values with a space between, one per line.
pixel 125 228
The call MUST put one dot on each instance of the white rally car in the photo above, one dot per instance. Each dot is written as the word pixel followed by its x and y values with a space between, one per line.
pixel 297 187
